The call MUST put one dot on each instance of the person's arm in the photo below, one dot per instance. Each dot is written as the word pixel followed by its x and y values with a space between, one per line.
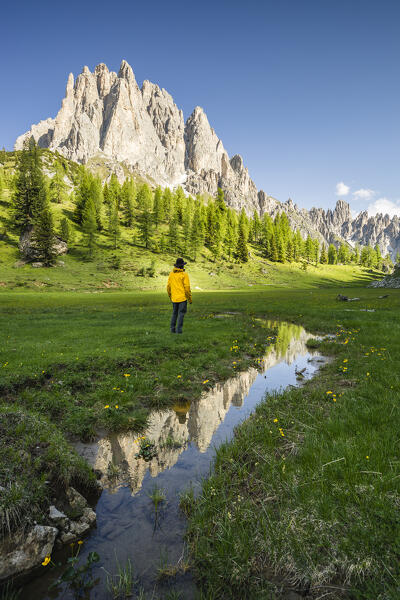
pixel 186 285
pixel 169 287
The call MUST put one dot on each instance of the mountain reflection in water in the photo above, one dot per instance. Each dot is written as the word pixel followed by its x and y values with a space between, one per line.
pixel 172 430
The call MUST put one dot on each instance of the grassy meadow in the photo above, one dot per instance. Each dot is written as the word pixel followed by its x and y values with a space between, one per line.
pixel 306 496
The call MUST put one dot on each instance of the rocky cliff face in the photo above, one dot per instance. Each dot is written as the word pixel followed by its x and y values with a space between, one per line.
pixel 107 115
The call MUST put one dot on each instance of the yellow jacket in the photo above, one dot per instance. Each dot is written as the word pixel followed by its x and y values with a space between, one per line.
pixel 178 286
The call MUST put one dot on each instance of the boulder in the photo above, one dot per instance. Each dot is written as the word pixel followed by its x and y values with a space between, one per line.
pixel 22 552
pixel 77 502
pixel 29 250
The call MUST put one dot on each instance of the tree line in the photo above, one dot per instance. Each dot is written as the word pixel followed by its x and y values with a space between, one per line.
pixel 160 220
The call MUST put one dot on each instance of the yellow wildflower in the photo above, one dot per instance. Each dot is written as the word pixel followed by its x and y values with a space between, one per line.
pixel 107 406
pixel 206 381
pixel 46 560
pixel 127 374
pixel 116 406
pixel 80 542
pixel 329 392
pixel 178 376
pixel 275 420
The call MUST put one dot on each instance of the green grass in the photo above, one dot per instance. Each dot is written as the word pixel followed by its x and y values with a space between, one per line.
pixel 306 496
pixel 277 513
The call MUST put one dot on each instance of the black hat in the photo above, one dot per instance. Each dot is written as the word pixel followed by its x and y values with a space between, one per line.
pixel 180 263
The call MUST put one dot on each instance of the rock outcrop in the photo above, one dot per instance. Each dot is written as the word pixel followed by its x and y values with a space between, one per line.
pixel 24 551
pixel 29 249
pixel 106 115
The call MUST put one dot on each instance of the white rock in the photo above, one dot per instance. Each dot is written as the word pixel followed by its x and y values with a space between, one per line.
pixel 22 552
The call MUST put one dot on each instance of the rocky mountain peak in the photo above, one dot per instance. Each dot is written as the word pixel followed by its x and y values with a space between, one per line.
pixel 106 115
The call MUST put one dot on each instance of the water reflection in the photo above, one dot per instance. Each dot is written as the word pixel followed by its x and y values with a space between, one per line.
pixel 172 430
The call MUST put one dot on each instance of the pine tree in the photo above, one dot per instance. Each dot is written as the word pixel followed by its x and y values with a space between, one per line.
pixel 255 227
pixel 158 207
pixel 281 247
pixel 186 231
pixel 332 255
pixel 230 240
pixel 173 234
pixel 29 186
pixel 167 203
pixel 274 255
pixel 83 193
pixel 378 257
pixel 96 193
pixel 196 233
pixel 289 250
pixel 113 225
pixel 179 198
pixel 145 219
pixel 323 259
pixel 316 252
pixel 43 235
pixel 57 188
pixel 309 248
pixel 89 227
pixel 397 258
pixel 128 200
pixel 114 188
pixel 65 230
pixel 241 248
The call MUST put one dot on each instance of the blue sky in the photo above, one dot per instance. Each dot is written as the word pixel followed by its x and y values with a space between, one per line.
pixel 308 92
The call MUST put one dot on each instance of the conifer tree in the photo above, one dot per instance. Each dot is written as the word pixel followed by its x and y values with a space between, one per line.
pixel 309 248
pixel 43 235
pixel 332 255
pixel 323 259
pixel 29 186
pixel 83 193
pixel 128 200
pixel 186 231
pixel 397 258
pixel 316 252
pixel 241 248
pixel 89 227
pixel 65 230
pixel 167 203
pixel 230 233
pixel 114 188
pixel 145 219
pixel 113 225
pixel 179 198
pixel 255 227
pixel 57 188
pixel 158 207
pixel 281 248
pixel 196 233
pixel 96 193
pixel 173 234
pixel 378 259
pixel 289 250
pixel 274 254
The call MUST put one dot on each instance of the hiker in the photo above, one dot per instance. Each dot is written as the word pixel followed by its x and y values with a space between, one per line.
pixel 178 288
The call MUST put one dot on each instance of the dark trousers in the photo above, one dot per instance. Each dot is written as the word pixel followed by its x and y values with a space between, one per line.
pixel 178 312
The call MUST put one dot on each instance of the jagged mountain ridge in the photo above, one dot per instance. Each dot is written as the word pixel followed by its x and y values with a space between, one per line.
pixel 106 114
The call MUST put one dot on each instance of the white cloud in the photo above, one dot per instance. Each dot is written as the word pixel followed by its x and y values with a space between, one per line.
pixel 342 189
pixel 364 194
pixel 385 206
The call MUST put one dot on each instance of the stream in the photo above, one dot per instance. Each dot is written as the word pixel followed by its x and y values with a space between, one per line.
pixel 185 437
